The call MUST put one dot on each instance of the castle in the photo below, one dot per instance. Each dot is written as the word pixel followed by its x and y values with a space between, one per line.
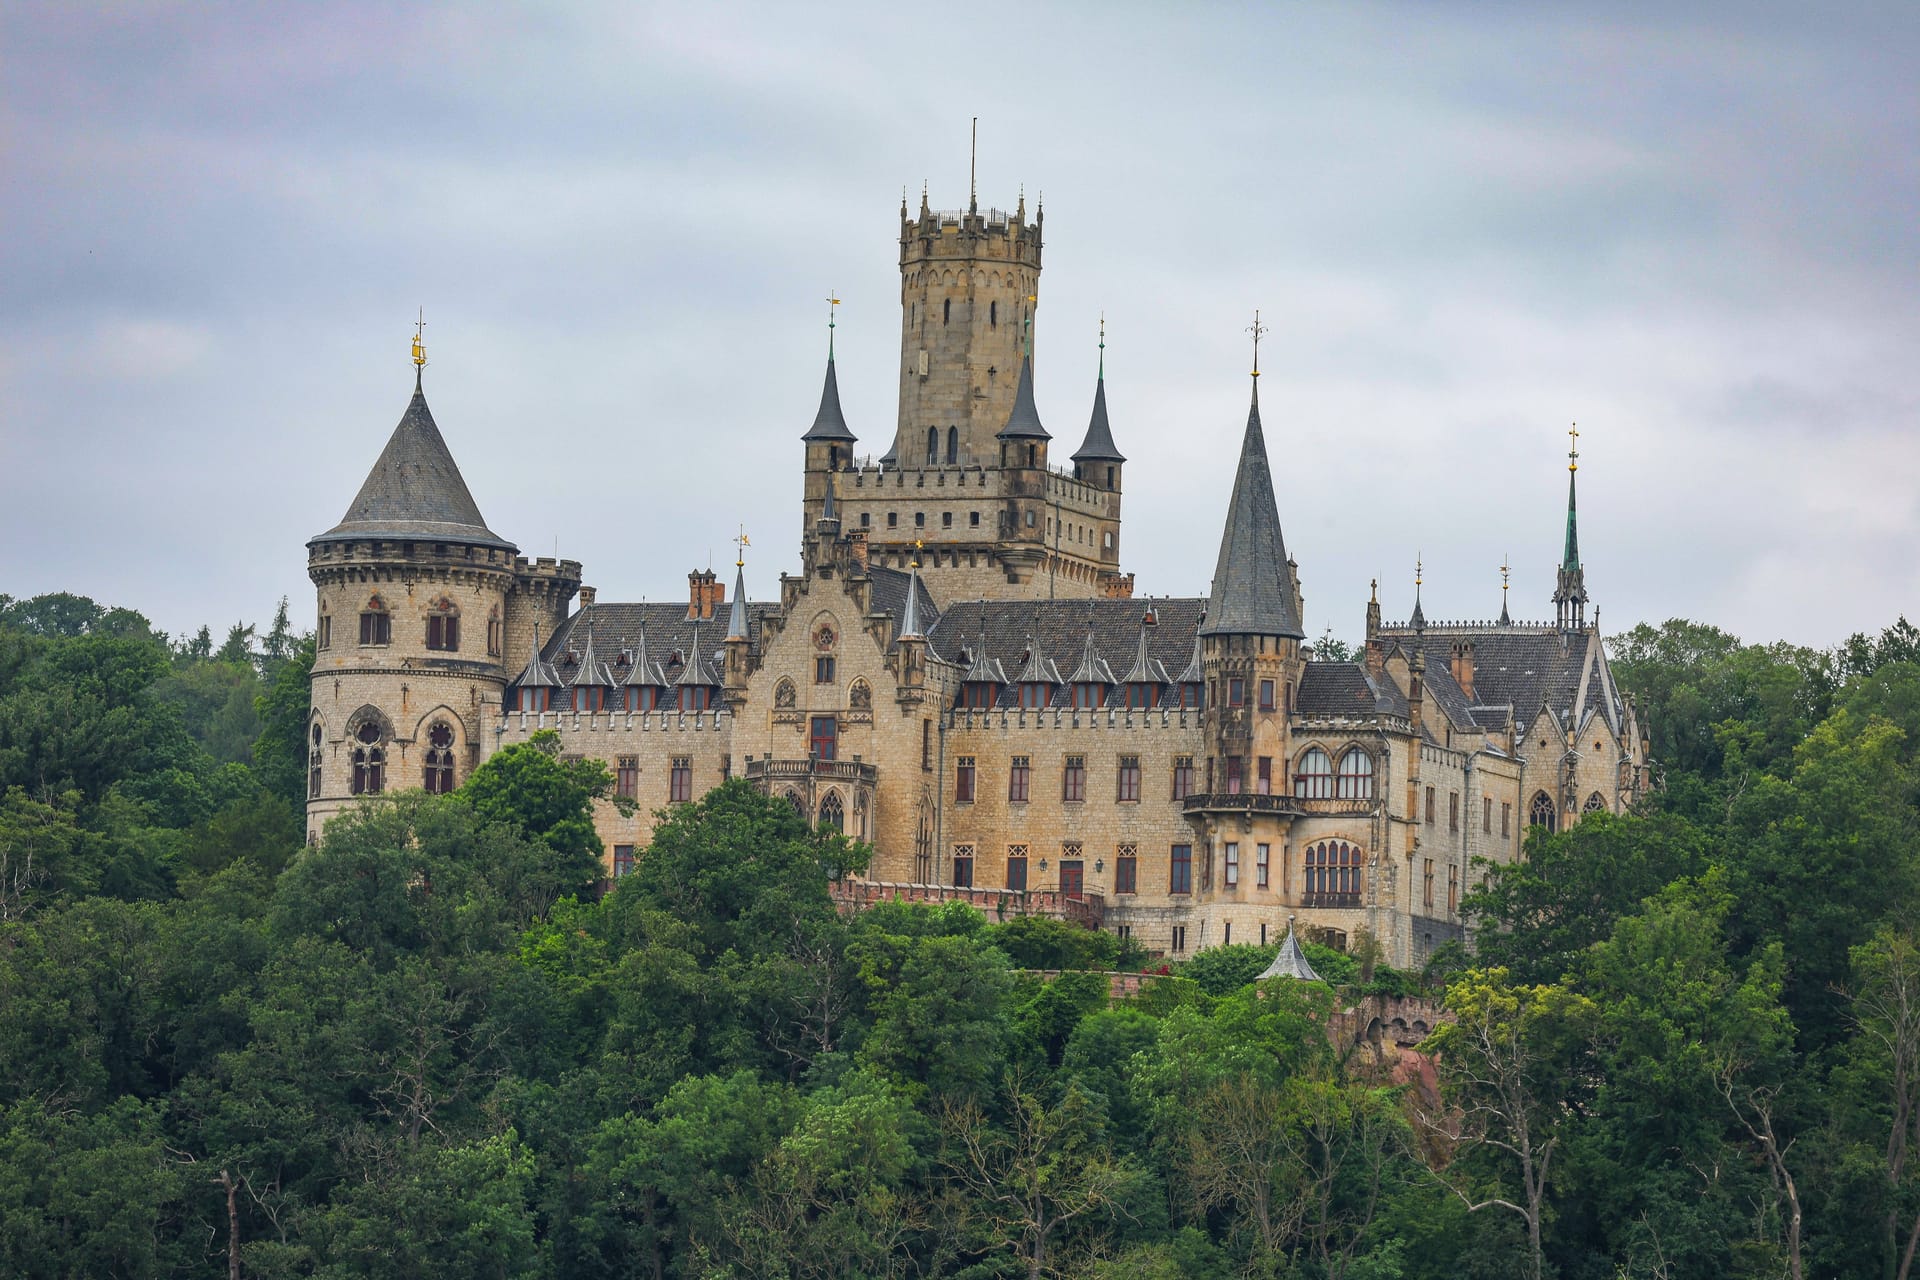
pixel 960 674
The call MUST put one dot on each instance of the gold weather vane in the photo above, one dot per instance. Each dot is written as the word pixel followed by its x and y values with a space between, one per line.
pixel 917 544
pixel 833 303
pixel 419 343
pixel 1503 584
pixel 1256 329
pixel 1418 569
pixel 1573 447
pixel 741 543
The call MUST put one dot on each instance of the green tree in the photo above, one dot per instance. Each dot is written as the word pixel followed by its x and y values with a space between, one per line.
pixel 283 707
pixel 530 788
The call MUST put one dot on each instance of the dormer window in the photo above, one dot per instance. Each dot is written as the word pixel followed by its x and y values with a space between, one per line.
pixel 1143 696
pixel 978 695
pixel 1089 696
pixel 695 697
pixel 1035 694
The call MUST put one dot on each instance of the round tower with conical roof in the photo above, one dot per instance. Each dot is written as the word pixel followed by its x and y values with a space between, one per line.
pixel 411 648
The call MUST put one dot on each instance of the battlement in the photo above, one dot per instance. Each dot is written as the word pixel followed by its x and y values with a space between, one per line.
pixel 715 721
pixel 1491 628
pixel 1073 719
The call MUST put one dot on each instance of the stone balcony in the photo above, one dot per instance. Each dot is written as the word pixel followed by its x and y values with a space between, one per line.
pixel 849 771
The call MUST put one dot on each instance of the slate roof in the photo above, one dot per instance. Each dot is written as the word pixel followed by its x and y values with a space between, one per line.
pixel 1522 666
pixel 1061 640
pixel 889 596
pixel 829 423
pixel 415 490
pixel 1024 422
pixel 1290 961
pixel 1345 689
pixel 620 631
pixel 1252 587
pixel 1099 446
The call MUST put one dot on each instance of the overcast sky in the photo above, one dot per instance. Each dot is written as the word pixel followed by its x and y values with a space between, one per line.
pixel 1693 229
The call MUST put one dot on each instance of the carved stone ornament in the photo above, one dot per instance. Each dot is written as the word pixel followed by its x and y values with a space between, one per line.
pixel 824 637
pixel 783 694
pixel 860 697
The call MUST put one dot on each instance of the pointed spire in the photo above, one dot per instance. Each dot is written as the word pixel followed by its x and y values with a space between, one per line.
pixel 694 670
pixel 911 627
pixel 1290 962
pixel 1570 581
pixel 830 423
pixel 1505 621
pixel 1419 618
pixel 1252 587
pixel 415 490
pixel 537 674
pixel 1093 669
pixel 644 671
pixel 1196 672
pixel 737 612
pixel 984 670
pixel 1145 670
pixel 591 673
pixel 1099 446
pixel 1024 422
pixel 1038 669
pixel 827 511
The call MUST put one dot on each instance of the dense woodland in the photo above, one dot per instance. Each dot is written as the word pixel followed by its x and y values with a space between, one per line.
pixel 1686 1042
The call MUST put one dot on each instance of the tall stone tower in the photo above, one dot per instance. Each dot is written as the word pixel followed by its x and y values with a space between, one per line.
pixel 412 647
pixel 969 284
pixel 967 489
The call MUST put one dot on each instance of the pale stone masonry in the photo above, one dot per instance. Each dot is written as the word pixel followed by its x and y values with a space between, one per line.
pixel 960 674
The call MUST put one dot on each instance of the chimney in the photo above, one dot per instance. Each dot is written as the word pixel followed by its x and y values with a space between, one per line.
pixel 705 594
pixel 857 544
pixel 1463 667
pixel 586 596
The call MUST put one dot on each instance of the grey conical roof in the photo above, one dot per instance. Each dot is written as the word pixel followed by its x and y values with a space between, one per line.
pixel 829 423
pixel 1290 962
pixel 1252 590
pixel 1099 446
pixel 1024 422
pixel 415 490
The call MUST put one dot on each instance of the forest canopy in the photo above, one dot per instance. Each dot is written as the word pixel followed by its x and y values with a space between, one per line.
pixel 1683 1042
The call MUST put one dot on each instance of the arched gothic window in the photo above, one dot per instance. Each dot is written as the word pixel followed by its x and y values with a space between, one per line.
pixel 376 624
pixel 1333 871
pixel 494 632
pixel 946 311
pixel 439 761
pixel 933 445
pixel 953 445
pixel 831 812
pixel 369 760
pixel 799 807
pixel 993 315
pixel 1355 780
pixel 1313 776
pixel 1596 803
pixel 313 764
pixel 1541 812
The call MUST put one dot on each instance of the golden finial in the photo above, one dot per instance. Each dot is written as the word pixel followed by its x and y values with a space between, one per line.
pixel 1256 329
pixel 419 343
pixel 917 544
pixel 1418 569
pixel 1573 447
pixel 741 543
pixel 1103 344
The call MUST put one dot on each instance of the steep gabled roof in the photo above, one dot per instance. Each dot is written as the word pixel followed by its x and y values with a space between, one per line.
pixel 1290 962
pixel 1252 586
pixel 1093 668
pixel 415 490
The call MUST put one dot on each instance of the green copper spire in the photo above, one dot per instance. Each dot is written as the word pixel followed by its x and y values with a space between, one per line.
pixel 1570 583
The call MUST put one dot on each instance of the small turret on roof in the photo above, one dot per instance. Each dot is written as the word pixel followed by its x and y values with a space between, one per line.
pixel 910 625
pixel 1037 669
pixel 695 671
pixel 984 670
pixel 1196 672
pixel 1290 961
pixel 1024 422
pixel 737 612
pixel 1099 446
